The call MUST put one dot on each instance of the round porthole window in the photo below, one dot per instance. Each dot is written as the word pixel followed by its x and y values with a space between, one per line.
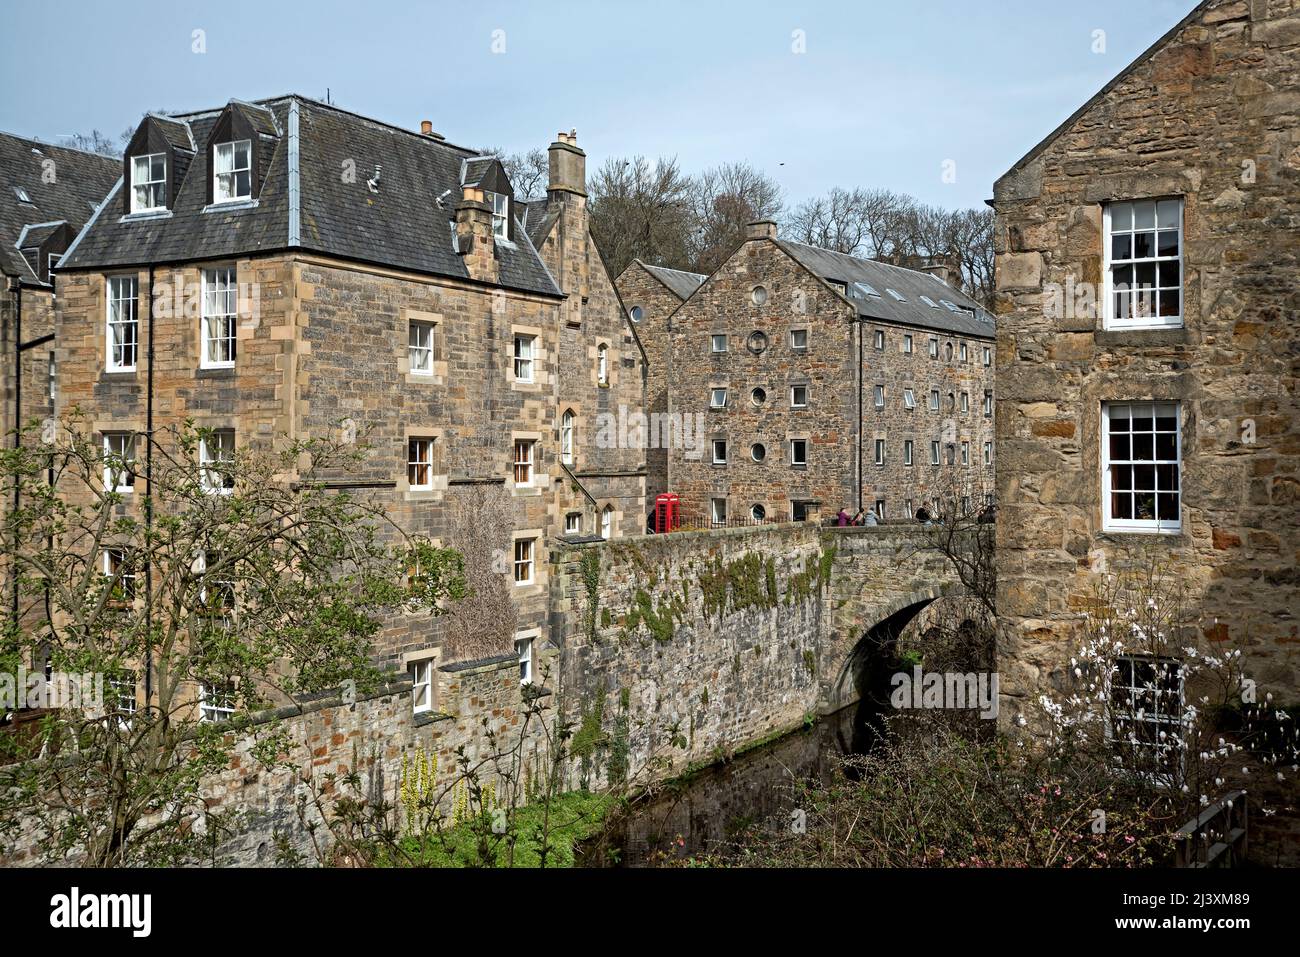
pixel 758 451
pixel 759 295
pixel 758 396
pixel 758 513
pixel 636 313
pixel 757 342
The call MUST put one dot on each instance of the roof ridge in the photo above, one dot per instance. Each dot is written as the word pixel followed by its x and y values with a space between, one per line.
pixel 59 146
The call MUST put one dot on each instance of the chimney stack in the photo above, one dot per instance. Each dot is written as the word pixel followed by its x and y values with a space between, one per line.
pixel 426 127
pixel 475 242
pixel 568 166
pixel 937 269
pixel 762 229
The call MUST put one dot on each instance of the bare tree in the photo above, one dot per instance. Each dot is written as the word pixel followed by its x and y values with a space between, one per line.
pixel 641 210
pixel 723 200
pixel 529 172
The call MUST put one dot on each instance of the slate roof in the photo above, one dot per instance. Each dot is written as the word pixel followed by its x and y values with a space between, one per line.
pixel 679 282
pixel 539 217
pixel 399 225
pixel 971 319
pixel 81 181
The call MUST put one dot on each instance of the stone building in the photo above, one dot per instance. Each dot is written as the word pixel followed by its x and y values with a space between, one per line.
pixel 826 382
pixel 48 194
pixel 652 294
pixel 286 269
pixel 1148 271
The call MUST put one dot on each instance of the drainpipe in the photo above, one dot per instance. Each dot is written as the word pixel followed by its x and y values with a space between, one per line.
pixel 858 326
pixel 18 403
pixel 148 508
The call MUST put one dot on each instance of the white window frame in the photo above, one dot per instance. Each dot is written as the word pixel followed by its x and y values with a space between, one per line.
pixel 907 451
pixel 155 189
pixel 718 511
pixel 718 397
pixel 1109 318
pixel 216 705
pixel 934 348
pixel 988 402
pixel 573 523
pixel 567 421
pixel 421 672
pixel 988 453
pixel 419 347
pixel 220 307
pixel 879 509
pixel 965 453
pixel 225 172
pixel 525 356
pixel 607 522
pixel 988 356
pixel 934 400
pixel 907 344
pixel 880 451
pixel 602 364
pixel 878 396
pixel 798 460
pixel 799 405
pixel 500 215
pixel 795 344
pixel 1148 710
pixel 965 402
pixel 209 463
pixel 122 312
pixel 112 559
pixel 525 571
pixel 880 339
pixel 716 339
pixel 909 399
pixel 119 446
pixel 714 445
pixel 962 353
pixel 419 457
pixel 936 454
pixel 524 652
pixel 528 461
pixel 1156 525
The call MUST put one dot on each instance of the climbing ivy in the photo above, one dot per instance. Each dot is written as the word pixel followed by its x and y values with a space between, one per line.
pixel 660 622
pixel 589 565
pixel 746 582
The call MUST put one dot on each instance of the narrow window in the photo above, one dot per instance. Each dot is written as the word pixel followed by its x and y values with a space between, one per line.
pixel 988 402
pixel 934 400
pixel 880 451
pixel 908 511
pixel 524 358
pixel 988 356
pixel 524 461
pixel 500 215
pixel 419 464
pixel 718 511
pixel 879 395
pixel 907 451
pixel 123 323
pixel 909 399
pixel 934 453
pixel 420 347
pixel 524 651
pixel 121 576
pixel 119 462
pixel 421 685
pixel 798 396
pixel 719 451
pixel 602 364
pixel 218 322
pixel 965 453
pixel 907 344
pixel 963 352
pixel 880 339
pixel 1146 711
pixel 879 509
pixel 607 522
pixel 1141 459
pixel 988 453
pixel 524 561
pixel 148 183
pixel 934 348
pixel 566 437
pixel 216 456
pixel 947 351
pixel 965 402
pixel 798 451
pixel 232 171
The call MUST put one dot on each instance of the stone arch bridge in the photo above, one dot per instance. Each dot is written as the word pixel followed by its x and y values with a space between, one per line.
pixel 724 638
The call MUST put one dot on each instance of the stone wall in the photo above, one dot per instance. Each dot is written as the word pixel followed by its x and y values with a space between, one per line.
pixel 1211 116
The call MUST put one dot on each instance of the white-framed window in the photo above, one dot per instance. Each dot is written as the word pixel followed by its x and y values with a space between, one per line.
pixel 607 522
pixel 119 462
pixel 798 451
pixel 419 464
pixel 909 399
pixel 963 352
pixel 798 397
pixel 988 356
pixel 420 347
pixel 232 176
pixel 217 324
pixel 636 313
pixel 216 455
pixel 524 349
pixel 602 364
pixel 719 451
pixel 718 342
pixel 114 566
pixel 1143 263
pixel 965 453
pixel 907 344
pixel 718 398
pixel 880 451
pixel 523 463
pixel 965 504
pixel 524 651
pixel 878 394
pixel 758 452
pixel 524 561
pixel 758 396
pixel 573 523
pixel 880 339
pixel 988 453
pixel 148 182
pixel 758 513
pixel 718 511
pixel 500 215
pixel 123 324
pixel 216 595
pixel 421 685
pixel 908 510
pixel 216 702
pixel 1141 466
pixel 934 348
pixel 1147 712
pixel 121 696
pixel 965 402
pixel 934 453
pixel 879 509
pixel 52 377
pixel 566 436
pixel 799 340
pixel 934 400
pixel 988 401
pixel 907 451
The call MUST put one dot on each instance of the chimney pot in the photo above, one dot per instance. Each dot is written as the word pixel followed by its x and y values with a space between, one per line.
pixel 761 229
pixel 426 127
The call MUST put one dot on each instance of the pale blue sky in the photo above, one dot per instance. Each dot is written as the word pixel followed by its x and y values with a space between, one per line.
pixel 883 95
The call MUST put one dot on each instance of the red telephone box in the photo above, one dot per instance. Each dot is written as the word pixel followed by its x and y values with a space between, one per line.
pixel 667 512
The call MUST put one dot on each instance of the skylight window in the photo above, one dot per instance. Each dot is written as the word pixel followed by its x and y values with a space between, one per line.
pixel 864 290
pixel 896 294
pixel 22 195
pixel 949 306
pixel 929 302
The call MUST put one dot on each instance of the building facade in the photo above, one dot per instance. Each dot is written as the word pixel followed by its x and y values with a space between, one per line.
pixel 1148 273
pixel 829 382
pixel 286 269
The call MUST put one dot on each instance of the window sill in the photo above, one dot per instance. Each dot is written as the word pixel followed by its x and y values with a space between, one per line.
pixel 1138 336
pixel 145 214
pixel 120 373
pixel 244 202
pixel 215 372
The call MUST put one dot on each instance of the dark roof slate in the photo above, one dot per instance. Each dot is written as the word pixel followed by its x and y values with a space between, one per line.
pixel 400 224
pixel 679 282
pixel 81 181
pixel 972 320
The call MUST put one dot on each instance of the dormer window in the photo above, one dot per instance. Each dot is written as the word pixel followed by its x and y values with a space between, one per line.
pixel 500 215
pixel 148 182
pixel 232 171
